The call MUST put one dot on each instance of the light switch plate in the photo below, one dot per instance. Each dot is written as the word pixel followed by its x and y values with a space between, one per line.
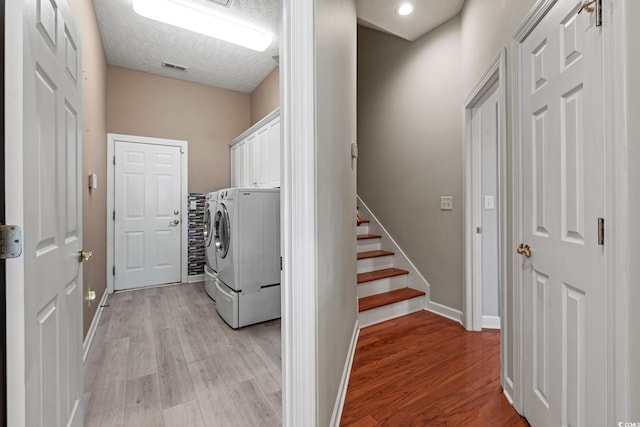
pixel 489 202
pixel 446 203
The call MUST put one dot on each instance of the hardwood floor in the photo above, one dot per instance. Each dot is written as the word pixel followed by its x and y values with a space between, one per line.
pixel 163 357
pixel 425 370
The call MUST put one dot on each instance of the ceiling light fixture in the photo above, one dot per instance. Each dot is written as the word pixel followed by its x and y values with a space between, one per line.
pixel 405 9
pixel 199 21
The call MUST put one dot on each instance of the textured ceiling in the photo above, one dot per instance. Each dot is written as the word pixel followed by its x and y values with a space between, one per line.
pixel 427 15
pixel 131 41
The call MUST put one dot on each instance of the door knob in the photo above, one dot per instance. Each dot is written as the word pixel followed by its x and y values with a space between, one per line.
pixel 524 250
pixel 175 222
pixel 84 255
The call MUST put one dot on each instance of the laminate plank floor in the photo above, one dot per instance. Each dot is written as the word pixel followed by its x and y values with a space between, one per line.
pixel 425 370
pixel 163 357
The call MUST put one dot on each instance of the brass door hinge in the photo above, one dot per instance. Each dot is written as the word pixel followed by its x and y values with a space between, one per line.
pixel 600 231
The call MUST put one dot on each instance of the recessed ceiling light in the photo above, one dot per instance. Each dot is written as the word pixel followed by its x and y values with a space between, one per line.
pixel 203 22
pixel 405 9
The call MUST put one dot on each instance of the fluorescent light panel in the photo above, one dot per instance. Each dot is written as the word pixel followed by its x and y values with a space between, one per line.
pixel 199 21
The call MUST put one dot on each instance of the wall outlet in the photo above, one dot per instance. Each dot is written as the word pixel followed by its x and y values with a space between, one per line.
pixel 446 203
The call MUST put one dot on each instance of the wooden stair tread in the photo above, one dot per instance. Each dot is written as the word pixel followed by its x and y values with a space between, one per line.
pixel 380 274
pixel 368 236
pixel 373 254
pixel 364 221
pixel 391 297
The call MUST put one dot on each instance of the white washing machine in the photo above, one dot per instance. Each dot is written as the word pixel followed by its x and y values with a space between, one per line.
pixel 211 265
pixel 247 241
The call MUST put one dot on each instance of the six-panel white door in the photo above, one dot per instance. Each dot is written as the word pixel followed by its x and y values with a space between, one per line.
pixel 563 197
pixel 147 214
pixel 52 203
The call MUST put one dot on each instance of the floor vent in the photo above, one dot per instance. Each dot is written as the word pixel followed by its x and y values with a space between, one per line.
pixel 174 66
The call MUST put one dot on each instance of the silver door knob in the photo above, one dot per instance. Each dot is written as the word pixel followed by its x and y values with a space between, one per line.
pixel 174 222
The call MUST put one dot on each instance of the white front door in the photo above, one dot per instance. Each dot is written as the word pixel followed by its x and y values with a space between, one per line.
pixel 148 205
pixel 563 197
pixel 45 199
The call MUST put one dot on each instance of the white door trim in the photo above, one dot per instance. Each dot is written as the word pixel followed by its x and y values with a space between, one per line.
pixel 472 304
pixel 14 211
pixel 298 218
pixel 617 209
pixel 617 213
pixel 184 196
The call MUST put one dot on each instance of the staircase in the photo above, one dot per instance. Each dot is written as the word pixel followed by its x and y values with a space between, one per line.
pixel 383 291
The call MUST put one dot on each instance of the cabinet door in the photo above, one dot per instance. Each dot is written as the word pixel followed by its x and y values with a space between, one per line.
pixel 241 168
pixel 251 178
pixel 263 156
pixel 273 175
pixel 234 163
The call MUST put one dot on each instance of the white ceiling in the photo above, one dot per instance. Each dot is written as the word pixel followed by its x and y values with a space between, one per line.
pixel 427 15
pixel 132 41
pixel 138 43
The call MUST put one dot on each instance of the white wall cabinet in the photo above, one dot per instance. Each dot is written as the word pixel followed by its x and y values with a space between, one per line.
pixel 255 154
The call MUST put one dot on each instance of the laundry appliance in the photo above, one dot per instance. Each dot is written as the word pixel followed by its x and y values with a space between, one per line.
pixel 211 265
pixel 247 241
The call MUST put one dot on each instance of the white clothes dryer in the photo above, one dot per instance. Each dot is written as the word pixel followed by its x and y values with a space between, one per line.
pixel 247 241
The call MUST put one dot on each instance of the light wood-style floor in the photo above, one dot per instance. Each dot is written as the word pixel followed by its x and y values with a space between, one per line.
pixel 163 357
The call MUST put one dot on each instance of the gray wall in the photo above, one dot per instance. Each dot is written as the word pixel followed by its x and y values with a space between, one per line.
pixel 409 137
pixel 409 158
pixel 336 194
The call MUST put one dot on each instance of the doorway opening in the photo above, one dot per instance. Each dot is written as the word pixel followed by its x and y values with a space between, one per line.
pixel 485 216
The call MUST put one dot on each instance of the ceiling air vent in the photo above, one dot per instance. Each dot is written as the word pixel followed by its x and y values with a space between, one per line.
pixel 174 66
pixel 225 3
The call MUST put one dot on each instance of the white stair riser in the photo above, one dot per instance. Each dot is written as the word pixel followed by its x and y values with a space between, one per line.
pixel 391 311
pixel 368 245
pixel 383 285
pixel 362 229
pixel 377 263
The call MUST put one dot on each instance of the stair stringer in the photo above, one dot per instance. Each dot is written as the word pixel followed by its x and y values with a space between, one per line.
pixel 415 280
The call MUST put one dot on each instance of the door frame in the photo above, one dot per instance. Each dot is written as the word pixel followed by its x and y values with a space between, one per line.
pixel 494 76
pixel 616 206
pixel 14 211
pixel 184 196
pixel 298 211
pixel 3 277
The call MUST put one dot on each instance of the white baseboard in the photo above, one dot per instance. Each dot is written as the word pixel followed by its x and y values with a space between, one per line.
pixel 86 345
pixel 344 382
pixel 490 322
pixel 195 278
pixel 445 311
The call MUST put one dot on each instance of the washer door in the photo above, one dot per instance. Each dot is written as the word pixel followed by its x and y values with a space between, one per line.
pixel 208 227
pixel 222 232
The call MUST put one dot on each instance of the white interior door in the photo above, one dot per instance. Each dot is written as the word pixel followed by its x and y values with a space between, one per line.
pixel 147 214
pixel 563 197
pixel 485 128
pixel 46 198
